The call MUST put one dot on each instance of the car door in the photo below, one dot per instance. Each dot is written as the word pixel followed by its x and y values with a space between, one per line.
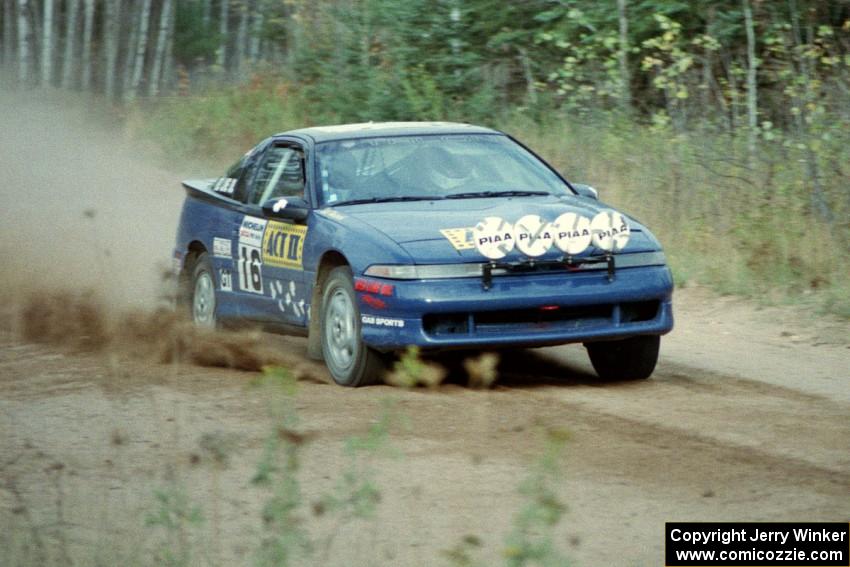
pixel 269 256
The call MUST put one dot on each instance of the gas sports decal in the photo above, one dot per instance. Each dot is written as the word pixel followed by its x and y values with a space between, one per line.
pixel 283 245
pixel 572 234
pixel 249 258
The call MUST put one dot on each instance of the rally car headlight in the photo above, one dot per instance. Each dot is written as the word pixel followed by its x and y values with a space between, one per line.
pixel 445 271
pixel 430 271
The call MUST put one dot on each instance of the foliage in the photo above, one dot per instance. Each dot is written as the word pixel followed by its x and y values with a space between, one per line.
pixel 174 515
pixel 531 540
pixel 410 371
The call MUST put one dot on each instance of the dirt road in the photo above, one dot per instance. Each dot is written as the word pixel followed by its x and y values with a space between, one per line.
pixel 104 456
pixel 695 442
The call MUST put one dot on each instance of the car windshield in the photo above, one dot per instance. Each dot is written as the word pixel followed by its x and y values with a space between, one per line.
pixel 431 167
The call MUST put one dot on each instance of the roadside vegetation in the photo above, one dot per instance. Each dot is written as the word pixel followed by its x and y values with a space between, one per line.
pixel 724 125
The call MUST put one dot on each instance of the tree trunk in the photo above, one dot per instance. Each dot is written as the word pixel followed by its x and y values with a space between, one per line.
pixel 623 56
pixel 130 51
pixel 88 28
pixel 168 64
pixel 706 66
pixel 8 31
pixel 23 42
pixel 206 14
pixel 111 31
pixel 47 44
pixel 752 64
pixel 221 53
pixel 159 54
pixel 241 38
pixel 141 48
pixel 73 9
pixel 256 35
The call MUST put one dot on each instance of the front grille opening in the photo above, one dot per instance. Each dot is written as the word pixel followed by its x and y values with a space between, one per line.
pixel 639 311
pixel 517 320
pixel 541 317
pixel 446 324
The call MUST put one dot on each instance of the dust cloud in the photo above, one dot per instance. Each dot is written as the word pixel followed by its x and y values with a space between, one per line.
pixel 81 209
pixel 87 228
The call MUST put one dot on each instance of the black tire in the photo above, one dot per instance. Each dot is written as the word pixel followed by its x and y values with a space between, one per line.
pixel 626 359
pixel 350 361
pixel 201 295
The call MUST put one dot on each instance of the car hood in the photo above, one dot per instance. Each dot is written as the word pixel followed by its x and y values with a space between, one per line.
pixel 434 232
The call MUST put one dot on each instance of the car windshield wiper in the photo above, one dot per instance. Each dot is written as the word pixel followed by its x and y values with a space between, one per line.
pixel 395 199
pixel 486 194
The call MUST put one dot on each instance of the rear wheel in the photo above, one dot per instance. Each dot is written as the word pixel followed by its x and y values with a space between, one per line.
pixel 202 293
pixel 350 361
pixel 626 359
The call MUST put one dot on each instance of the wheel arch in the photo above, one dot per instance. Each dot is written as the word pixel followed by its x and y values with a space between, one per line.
pixel 330 259
pixel 194 249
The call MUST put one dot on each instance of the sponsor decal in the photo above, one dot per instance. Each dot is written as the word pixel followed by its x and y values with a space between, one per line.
pixel 225 280
pixel 250 257
pixel 460 238
pixel 493 237
pixel 610 231
pixel 571 233
pixel 283 245
pixel 221 247
pixel 533 235
pixel 287 298
pixel 381 321
pixel 251 231
pixel 224 185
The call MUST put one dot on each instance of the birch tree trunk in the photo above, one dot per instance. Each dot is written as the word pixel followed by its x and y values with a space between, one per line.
pixel 752 64
pixel 623 56
pixel 168 65
pixel 141 48
pixel 88 29
pixel 161 41
pixel 241 38
pixel 221 53
pixel 206 14
pixel 130 52
pixel 73 9
pixel 256 35
pixel 111 29
pixel 23 42
pixel 47 44
pixel 8 37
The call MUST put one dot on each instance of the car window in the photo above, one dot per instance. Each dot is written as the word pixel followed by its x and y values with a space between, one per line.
pixel 279 174
pixel 430 166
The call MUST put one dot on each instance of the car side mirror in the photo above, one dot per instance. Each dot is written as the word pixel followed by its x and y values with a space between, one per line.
pixel 586 191
pixel 290 208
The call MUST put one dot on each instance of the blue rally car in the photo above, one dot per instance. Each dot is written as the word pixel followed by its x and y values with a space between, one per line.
pixel 368 238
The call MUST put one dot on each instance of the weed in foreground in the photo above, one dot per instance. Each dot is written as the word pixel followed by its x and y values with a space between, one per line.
pixel 410 371
pixel 531 541
pixel 175 515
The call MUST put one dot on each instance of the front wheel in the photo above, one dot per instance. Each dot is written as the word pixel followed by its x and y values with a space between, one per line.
pixel 349 360
pixel 626 359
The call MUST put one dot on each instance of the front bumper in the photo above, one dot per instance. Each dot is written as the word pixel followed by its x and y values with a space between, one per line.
pixel 520 310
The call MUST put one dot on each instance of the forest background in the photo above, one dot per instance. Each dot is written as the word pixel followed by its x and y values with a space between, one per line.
pixel 724 125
